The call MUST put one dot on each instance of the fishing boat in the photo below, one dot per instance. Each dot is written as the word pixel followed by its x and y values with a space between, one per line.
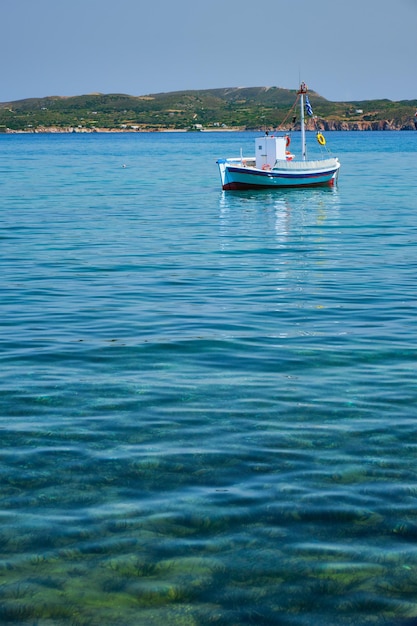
pixel 273 165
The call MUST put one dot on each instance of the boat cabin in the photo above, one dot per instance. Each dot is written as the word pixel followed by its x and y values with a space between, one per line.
pixel 269 149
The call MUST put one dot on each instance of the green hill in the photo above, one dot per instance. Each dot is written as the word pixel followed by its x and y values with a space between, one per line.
pixel 246 108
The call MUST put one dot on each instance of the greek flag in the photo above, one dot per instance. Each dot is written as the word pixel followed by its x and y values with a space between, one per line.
pixel 308 107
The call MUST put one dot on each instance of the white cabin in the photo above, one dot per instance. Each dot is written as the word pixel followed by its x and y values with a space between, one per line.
pixel 269 149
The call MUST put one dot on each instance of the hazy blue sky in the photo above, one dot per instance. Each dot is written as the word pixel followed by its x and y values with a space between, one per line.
pixel 344 50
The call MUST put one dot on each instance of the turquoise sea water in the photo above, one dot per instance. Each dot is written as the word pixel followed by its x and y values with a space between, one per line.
pixel 208 400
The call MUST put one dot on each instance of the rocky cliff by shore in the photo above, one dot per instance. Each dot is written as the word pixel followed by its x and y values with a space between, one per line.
pixel 363 125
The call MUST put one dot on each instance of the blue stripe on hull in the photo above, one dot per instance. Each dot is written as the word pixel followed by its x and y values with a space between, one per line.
pixel 242 186
pixel 236 179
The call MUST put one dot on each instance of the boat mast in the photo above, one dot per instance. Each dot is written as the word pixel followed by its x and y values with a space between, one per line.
pixel 302 92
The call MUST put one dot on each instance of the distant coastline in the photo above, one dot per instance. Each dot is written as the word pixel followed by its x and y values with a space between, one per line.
pixel 225 110
pixel 89 131
pixel 84 131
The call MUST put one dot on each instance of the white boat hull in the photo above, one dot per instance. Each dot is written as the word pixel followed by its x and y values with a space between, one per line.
pixel 236 174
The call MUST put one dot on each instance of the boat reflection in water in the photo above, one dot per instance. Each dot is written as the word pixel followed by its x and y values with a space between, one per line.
pixel 258 214
pixel 275 252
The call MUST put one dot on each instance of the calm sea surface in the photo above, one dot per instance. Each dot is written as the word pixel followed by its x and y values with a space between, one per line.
pixel 208 400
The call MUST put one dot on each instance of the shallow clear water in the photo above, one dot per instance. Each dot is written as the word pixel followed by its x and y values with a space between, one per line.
pixel 207 399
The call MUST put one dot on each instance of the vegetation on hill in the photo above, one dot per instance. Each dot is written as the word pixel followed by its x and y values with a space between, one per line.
pixel 246 108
